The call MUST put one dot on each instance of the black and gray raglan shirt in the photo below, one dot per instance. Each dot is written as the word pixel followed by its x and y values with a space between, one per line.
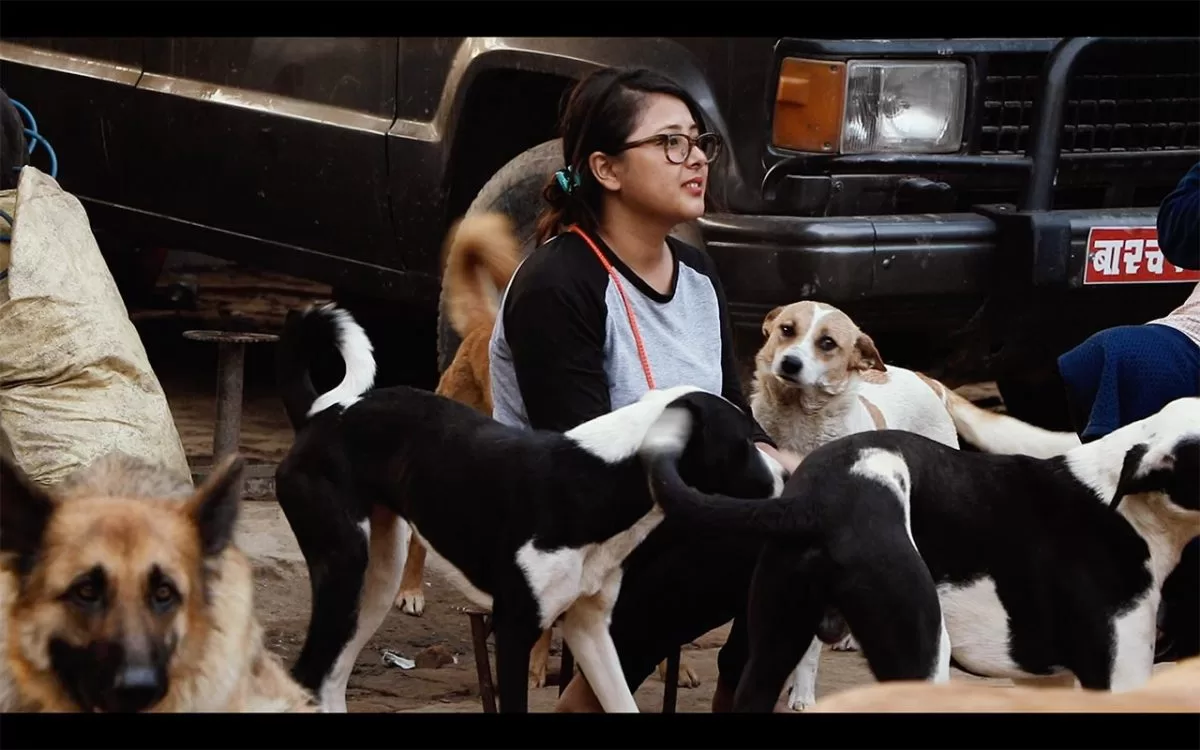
pixel 563 352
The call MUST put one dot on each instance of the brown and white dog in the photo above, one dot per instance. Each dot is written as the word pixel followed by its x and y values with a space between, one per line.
pixel 819 377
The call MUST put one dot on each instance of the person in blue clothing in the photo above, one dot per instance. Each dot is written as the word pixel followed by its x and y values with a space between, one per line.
pixel 1178 227
pixel 1126 373
pixel 1123 374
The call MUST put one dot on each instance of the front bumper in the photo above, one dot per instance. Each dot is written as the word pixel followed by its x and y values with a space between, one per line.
pixel 773 260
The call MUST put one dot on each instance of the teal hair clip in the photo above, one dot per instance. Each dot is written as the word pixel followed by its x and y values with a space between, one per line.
pixel 568 179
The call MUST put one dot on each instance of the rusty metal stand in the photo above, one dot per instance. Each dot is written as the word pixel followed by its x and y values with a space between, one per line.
pixel 231 365
pixel 567 669
pixel 481 627
pixel 671 683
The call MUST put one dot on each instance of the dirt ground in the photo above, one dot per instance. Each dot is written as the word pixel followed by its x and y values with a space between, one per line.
pixel 187 372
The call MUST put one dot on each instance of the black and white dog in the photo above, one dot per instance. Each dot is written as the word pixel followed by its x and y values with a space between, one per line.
pixel 532 525
pixel 1042 567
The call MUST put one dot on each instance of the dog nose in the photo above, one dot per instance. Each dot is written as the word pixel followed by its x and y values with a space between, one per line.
pixel 791 364
pixel 136 689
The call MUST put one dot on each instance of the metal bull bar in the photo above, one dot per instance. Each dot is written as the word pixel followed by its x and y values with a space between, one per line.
pixel 1045 136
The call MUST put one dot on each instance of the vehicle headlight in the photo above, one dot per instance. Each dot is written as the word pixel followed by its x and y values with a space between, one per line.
pixel 870 106
pixel 904 107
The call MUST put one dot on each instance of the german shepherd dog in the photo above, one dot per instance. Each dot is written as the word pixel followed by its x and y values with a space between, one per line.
pixel 121 591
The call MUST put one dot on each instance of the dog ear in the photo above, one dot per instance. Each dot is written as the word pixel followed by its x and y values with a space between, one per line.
pixel 866 357
pixel 1169 468
pixel 1133 479
pixel 767 321
pixel 214 506
pixel 25 510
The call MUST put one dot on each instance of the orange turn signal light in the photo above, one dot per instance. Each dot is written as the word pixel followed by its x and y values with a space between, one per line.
pixel 809 104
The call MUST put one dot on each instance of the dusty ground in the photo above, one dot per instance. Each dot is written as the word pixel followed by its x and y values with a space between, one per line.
pixel 187 371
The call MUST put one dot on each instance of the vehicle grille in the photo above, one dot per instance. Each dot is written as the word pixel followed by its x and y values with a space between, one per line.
pixel 1129 102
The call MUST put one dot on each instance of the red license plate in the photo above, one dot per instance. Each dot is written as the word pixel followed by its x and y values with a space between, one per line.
pixel 1130 255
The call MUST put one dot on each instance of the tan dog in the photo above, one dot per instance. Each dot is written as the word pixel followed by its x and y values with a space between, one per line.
pixel 1173 689
pixel 121 590
pixel 478 247
pixel 481 254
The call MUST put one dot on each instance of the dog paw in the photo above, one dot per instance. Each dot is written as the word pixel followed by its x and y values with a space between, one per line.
pixel 687 676
pixel 537 677
pixel 846 644
pixel 800 705
pixel 411 602
pixel 801 701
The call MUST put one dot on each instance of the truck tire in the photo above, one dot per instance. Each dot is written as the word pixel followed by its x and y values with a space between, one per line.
pixel 516 190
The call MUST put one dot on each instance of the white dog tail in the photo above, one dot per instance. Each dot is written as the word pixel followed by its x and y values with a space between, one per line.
pixel 320 329
pixel 999 433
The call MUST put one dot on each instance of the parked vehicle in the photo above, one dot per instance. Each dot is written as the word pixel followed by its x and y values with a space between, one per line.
pixel 978 205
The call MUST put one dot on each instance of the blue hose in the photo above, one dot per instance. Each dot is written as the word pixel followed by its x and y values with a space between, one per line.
pixel 34 136
pixel 28 116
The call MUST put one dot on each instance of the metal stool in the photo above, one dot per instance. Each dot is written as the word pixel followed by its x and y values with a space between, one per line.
pixel 231 365
pixel 481 628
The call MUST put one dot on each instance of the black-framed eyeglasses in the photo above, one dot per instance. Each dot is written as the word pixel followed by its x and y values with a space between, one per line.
pixel 678 146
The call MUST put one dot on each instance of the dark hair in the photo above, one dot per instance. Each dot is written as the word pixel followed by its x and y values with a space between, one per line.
pixel 600 115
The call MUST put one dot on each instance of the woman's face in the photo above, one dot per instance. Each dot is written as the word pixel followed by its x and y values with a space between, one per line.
pixel 644 179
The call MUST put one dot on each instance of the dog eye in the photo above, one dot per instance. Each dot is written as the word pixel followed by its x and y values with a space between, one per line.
pixel 826 343
pixel 787 331
pixel 163 596
pixel 85 593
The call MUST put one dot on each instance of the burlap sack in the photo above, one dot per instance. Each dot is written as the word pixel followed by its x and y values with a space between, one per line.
pixel 75 382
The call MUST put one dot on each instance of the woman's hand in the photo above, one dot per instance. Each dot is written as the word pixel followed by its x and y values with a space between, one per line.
pixel 788 460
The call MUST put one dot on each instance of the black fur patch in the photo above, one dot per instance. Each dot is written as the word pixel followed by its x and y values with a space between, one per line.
pixel 1126 484
pixel 25 510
